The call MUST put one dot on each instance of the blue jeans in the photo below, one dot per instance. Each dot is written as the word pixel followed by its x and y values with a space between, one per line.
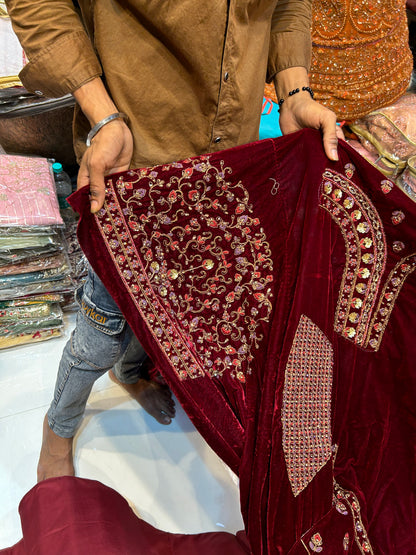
pixel 101 340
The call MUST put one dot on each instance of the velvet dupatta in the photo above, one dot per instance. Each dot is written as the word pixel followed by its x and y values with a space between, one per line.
pixel 275 292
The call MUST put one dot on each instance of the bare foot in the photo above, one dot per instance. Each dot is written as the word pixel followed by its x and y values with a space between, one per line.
pixel 155 398
pixel 55 455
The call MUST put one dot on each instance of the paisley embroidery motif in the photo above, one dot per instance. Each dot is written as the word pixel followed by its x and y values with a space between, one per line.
pixel 306 410
pixel 200 257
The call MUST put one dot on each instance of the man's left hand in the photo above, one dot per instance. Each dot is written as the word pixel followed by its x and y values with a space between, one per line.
pixel 300 111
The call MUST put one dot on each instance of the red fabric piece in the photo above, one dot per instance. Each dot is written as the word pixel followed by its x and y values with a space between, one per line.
pixel 75 516
pixel 275 291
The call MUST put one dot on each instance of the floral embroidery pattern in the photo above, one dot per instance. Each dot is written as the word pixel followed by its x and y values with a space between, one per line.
pixel 315 543
pixel 306 410
pixel 388 296
pixel 347 504
pixel 366 298
pixel 190 250
pixel 397 217
pixel 349 170
pixel 386 186
pixel 365 258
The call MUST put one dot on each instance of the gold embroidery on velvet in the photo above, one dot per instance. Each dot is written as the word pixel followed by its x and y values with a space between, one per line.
pixel 364 304
pixel 387 299
pixel 365 243
pixel 316 543
pixel 306 409
pixel 347 504
pixel 199 259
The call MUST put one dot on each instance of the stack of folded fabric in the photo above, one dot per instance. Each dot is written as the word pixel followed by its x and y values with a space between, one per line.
pixel 34 265
pixel 78 263
pixel 387 139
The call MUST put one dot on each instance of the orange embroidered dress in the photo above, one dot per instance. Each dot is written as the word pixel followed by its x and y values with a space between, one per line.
pixel 361 58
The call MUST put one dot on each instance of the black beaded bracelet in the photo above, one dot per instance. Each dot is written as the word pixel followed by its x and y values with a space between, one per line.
pixel 294 91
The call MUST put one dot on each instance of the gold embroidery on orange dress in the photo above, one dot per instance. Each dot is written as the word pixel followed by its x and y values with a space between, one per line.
pixel 361 58
pixel 365 243
pixel 196 255
pixel 306 409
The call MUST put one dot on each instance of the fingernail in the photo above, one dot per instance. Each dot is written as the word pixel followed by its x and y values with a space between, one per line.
pixel 334 154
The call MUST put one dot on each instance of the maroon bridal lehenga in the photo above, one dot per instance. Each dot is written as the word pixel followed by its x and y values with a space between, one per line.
pixel 275 291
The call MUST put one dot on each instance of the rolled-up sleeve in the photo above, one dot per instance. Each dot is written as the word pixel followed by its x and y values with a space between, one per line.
pixel 290 41
pixel 60 54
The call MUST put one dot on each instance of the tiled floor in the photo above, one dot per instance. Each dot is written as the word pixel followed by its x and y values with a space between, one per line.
pixel 168 474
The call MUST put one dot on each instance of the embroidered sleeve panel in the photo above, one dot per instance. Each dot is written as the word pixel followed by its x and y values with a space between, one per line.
pixel 367 294
pixel 201 258
pixel 365 244
pixel 306 409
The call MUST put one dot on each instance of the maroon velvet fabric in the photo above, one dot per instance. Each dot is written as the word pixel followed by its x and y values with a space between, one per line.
pixel 75 516
pixel 275 291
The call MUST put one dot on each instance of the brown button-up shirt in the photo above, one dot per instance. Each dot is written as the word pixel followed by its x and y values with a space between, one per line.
pixel 188 73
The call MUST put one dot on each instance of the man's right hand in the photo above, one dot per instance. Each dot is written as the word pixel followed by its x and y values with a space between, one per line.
pixel 110 152
pixel 111 149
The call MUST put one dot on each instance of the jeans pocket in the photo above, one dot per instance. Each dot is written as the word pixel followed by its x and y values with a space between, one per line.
pixel 104 320
pixel 98 339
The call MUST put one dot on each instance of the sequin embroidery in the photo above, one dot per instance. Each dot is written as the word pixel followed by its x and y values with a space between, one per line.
pixel 366 251
pixel 201 257
pixel 387 299
pixel 349 502
pixel 349 67
pixel 366 298
pixel 306 410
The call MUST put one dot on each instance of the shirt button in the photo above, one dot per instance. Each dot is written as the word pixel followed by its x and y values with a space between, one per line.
pixel 226 76
pixel 217 139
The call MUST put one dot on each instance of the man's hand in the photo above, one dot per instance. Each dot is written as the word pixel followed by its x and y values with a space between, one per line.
pixel 301 111
pixel 110 151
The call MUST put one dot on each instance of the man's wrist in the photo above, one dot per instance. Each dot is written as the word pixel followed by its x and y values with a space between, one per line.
pixel 101 123
pixel 94 101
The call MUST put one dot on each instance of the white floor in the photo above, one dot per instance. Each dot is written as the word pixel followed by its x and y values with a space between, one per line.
pixel 169 475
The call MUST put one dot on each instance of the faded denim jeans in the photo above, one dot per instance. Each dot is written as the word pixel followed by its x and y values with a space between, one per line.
pixel 102 340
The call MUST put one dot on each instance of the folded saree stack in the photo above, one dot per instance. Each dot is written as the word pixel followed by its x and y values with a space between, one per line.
pixel 34 265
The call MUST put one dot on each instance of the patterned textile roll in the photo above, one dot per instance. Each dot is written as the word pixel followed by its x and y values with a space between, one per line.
pixel 361 58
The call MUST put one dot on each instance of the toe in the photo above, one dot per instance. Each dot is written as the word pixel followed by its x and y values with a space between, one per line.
pixel 164 418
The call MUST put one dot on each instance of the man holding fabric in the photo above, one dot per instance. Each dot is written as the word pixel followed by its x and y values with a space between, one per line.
pixel 155 82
